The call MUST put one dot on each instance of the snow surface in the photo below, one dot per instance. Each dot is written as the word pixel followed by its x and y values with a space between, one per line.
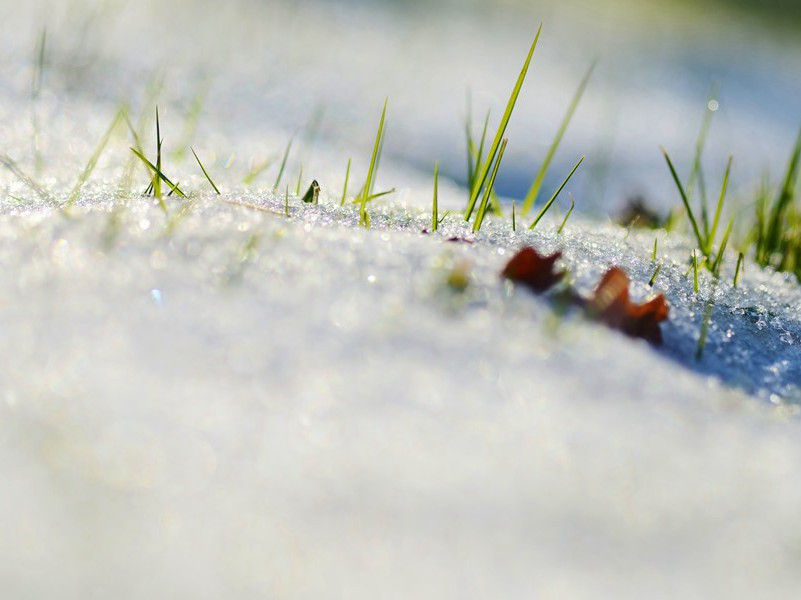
pixel 230 401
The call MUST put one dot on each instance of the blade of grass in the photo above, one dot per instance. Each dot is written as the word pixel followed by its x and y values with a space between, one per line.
pixel 345 188
pixel 719 257
pixel 514 221
pixel 434 208
pixel 202 168
pixel 283 163
pixel 653 254
pixel 92 163
pixel 483 169
pixel 300 178
pixel 156 178
pixel 685 200
pixel 655 275
pixel 12 166
pixel 695 271
pixel 550 202
pixel 567 216
pixel 702 338
pixel 36 90
pixel 697 170
pixel 482 209
pixel 714 229
pixel 740 258
pixel 368 184
pixel 533 192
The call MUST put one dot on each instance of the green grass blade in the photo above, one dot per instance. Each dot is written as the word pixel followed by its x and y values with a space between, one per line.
pixel 695 271
pixel 740 258
pixel 283 163
pixel 483 169
pixel 156 178
pixel 482 209
pixel 300 178
pixel 685 200
pixel 514 219
pixel 434 207
pixel 550 202
pixel 202 168
pixel 368 184
pixel 92 163
pixel 653 254
pixel 710 240
pixel 533 192
pixel 652 281
pixel 719 257
pixel 702 338
pixel 567 216
pixel 12 166
pixel 345 188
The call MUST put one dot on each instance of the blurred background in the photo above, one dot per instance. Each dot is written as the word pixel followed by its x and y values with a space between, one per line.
pixel 240 78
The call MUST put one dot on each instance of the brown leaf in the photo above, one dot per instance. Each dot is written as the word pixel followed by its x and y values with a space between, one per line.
pixel 536 272
pixel 612 306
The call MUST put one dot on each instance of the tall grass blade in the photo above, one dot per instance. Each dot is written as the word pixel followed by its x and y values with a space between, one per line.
pixel 371 172
pixel 483 169
pixel 283 163
pixel 345 188
pixel 434 207
pixel 685 200
pixel 206 173
pixel 533 192
pixel 92 163
pixel 710 240
pixel 553 198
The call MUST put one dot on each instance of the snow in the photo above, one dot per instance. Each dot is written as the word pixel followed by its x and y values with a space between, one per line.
pixel 230 401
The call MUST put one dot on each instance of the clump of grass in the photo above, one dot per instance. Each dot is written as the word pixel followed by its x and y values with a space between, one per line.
pixel 484 166
pixel 706 233
pixel 776 232
pixel 158 174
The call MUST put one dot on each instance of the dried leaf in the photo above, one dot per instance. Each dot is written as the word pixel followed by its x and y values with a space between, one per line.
pixel 612 306
pixel 533 270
